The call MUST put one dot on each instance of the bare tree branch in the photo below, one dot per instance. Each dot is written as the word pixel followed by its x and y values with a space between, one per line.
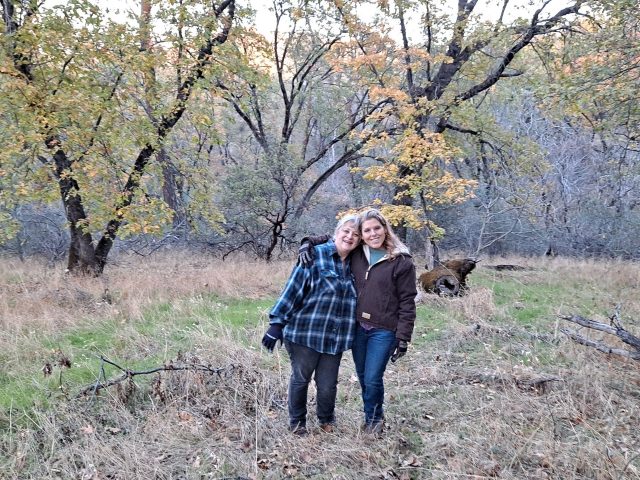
pixel 536 27
pixel 600 346
pixel 615 329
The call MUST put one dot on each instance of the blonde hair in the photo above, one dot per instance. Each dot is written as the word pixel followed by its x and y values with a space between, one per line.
pixel 346 219
pixel 392 243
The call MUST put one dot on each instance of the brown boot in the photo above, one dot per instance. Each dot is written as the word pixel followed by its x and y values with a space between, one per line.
pixel 328 427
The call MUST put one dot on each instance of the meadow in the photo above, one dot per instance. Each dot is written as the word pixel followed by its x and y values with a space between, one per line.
pixel 490 387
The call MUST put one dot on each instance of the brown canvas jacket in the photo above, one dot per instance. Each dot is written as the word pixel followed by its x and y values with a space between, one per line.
pixel 386 292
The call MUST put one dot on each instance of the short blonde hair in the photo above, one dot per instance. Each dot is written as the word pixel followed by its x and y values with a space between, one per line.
pixel 346 219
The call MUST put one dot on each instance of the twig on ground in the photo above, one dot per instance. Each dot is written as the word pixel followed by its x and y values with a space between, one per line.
pixel 536 384
pixel 128 374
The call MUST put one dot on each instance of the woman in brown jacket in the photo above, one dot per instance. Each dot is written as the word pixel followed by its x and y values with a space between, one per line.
pixel 386 285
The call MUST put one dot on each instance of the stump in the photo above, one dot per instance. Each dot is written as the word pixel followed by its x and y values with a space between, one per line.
pixel 447 285
pixel 448 278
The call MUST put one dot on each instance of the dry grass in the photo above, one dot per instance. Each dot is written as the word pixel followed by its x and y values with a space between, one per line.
pixel 35 295
pixel 485 397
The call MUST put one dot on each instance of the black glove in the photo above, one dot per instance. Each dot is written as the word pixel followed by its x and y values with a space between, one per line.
pixel 400 350
pixel 272 336
pixel 305 253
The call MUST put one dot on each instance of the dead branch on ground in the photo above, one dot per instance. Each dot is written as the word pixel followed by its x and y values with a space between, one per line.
pixel 534 383
pixel 614 328
pixel 508 267
pixel 128 374
pixel 530 382
pixel 510 332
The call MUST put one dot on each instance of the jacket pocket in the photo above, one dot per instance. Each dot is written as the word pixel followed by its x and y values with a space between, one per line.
pixel 375 303
pixel 329 281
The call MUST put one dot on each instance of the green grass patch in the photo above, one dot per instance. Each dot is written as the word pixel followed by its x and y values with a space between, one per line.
pixel 235 313
pixel 531 316
pixel 551 289
pixel 121 341
pixel 18 395
pixel 92 339
pixel 532 299
pixel 431 323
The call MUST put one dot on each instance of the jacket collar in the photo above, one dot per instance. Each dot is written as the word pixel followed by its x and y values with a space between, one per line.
pixel 367 254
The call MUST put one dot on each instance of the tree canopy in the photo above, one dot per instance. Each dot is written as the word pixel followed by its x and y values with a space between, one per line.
pixel 193 118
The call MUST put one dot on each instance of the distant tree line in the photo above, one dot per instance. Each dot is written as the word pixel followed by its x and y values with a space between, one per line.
pixel 185 124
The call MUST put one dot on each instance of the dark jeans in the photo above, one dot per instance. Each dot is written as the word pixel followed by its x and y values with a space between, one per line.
pixel 371 352
pixel 304 362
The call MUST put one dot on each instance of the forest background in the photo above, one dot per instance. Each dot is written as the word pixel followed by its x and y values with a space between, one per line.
pixel 176 151
pixel 484 128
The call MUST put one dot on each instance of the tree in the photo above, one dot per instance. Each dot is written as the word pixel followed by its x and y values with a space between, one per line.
pixel 441 81
pixel 298 112
pixel 72 79
pixel 595 92
pixel 566 185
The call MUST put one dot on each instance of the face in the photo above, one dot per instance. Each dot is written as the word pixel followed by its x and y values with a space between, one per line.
pixel 347 239
pixel 373 233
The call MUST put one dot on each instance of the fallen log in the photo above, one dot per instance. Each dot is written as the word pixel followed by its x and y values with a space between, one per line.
pixel 449 278
pixel 614 328
pixel 503 267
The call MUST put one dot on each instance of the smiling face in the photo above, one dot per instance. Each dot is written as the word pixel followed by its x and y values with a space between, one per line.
pixel 347 238
pixel 373 233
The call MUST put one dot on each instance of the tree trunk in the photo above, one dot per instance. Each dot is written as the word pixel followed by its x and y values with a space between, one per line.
pixel 400 197
pixel 82 256
pixel 276 231
pixel 170 187
pixel 430 253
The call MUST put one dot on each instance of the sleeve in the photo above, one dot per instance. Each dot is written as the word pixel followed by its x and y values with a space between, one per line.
pixel 316 239
pixel 406 288
pixel 291 297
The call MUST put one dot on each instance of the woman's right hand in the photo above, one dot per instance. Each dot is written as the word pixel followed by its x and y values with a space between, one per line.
pixel 400 350
pixel 305 253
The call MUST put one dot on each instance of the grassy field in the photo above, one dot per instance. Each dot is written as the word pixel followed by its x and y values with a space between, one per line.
pixel 490 388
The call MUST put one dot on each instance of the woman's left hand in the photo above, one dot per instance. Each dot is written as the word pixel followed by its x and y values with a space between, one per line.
pixel 400 350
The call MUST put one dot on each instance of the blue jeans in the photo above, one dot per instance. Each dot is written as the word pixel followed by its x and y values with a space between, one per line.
pixel 371 352
pixel 304 362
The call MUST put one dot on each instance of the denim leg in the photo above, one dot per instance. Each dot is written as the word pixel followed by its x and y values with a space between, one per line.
pixel 359 352
pixel 303 362
pixel 327 385
pixel 371 351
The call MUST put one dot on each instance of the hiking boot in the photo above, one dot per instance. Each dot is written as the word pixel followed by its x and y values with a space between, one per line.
pixel 328 427
pixel 298 429
pixel 373 428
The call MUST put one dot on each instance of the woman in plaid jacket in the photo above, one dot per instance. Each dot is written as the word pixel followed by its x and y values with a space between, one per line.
pixel 315 317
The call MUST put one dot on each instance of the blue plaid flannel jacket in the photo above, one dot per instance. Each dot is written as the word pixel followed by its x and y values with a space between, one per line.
pixel 318 304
